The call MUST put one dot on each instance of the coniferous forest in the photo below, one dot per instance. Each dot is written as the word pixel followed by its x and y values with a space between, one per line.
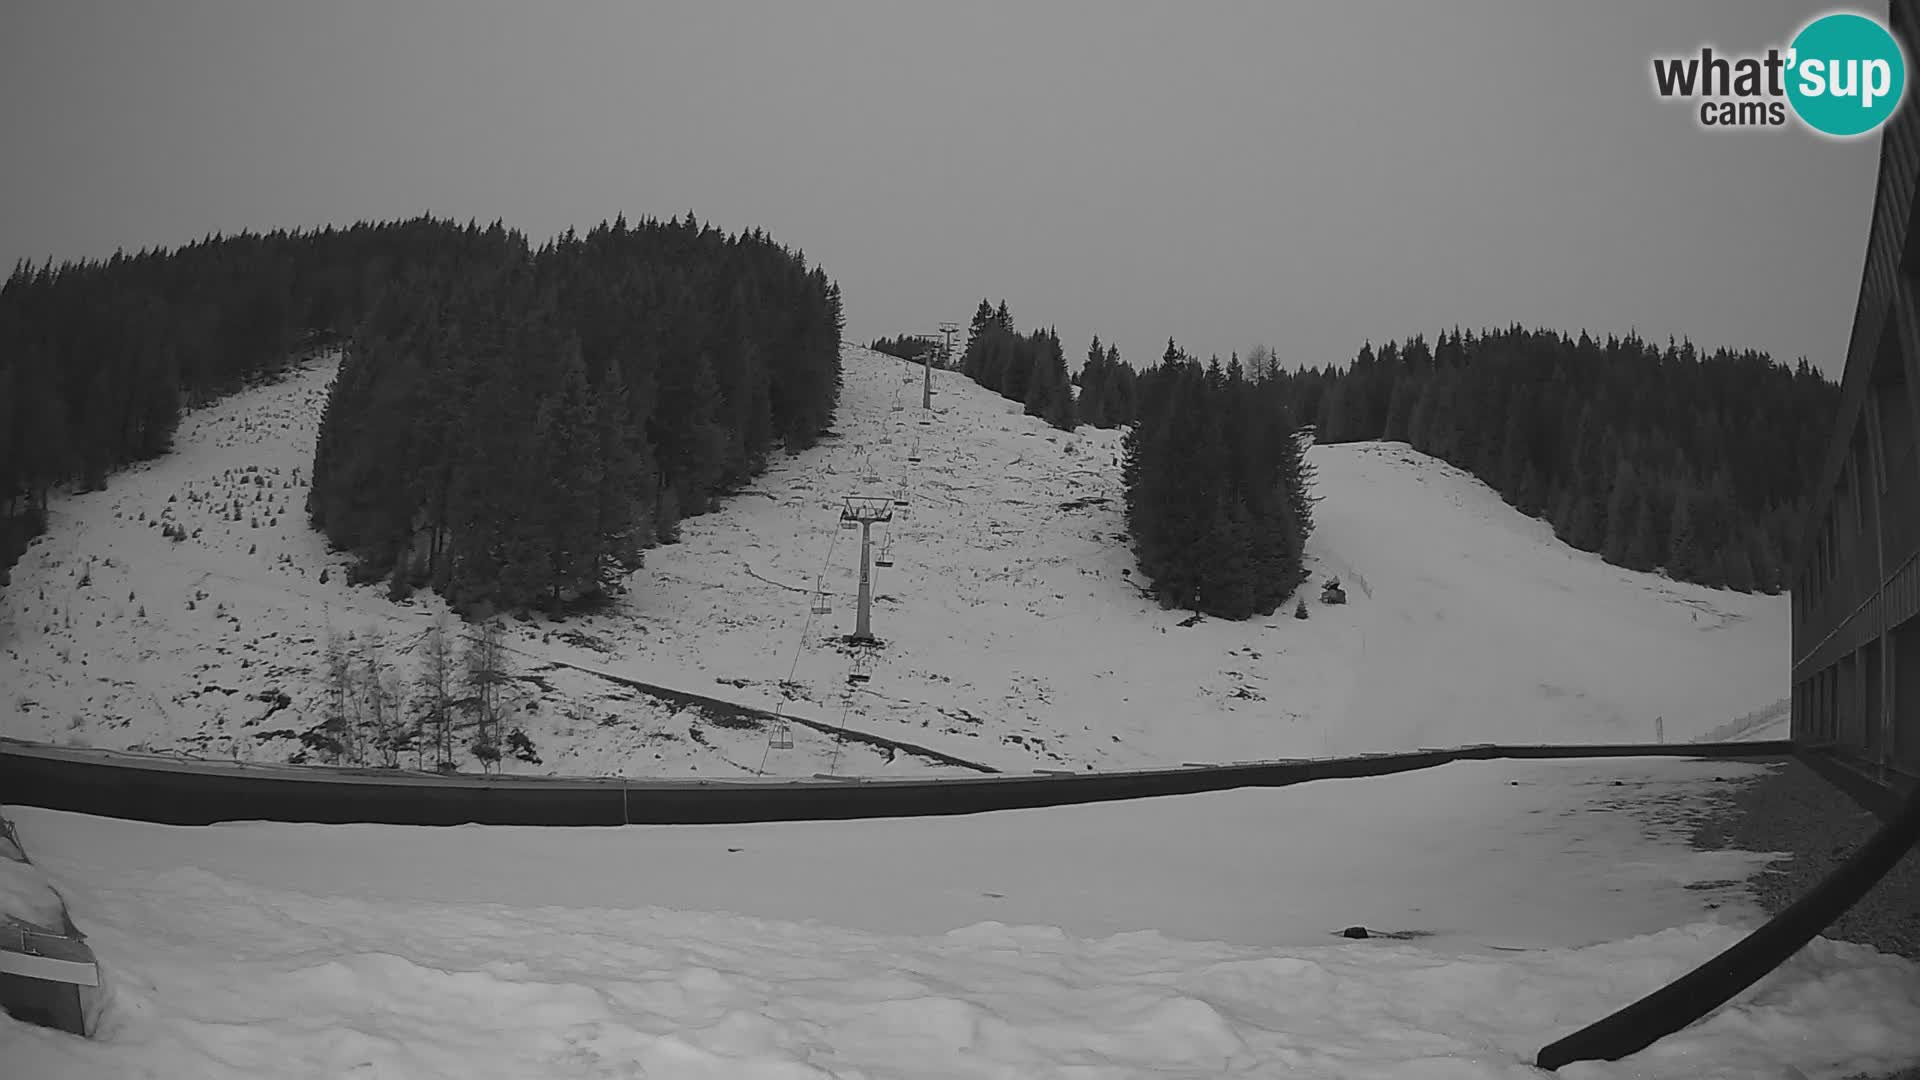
pixel 1653 458
pixel 907 347
pixel 1027 368
pixel 1218 490
pixel 99 357
pixel 1218 506
pixel 511 426
pixel 515 434
pixel 1107 387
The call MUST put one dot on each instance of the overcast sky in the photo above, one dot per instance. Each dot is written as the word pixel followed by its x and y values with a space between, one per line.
pixel 1303 174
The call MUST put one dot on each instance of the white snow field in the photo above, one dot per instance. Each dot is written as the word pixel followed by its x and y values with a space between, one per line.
pixel 1014 636
pixel 1189 936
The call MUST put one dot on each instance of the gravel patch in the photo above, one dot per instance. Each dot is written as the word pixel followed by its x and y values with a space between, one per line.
pixel 1791 810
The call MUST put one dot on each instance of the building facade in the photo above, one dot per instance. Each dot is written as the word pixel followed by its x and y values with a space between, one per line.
pixel 1856 585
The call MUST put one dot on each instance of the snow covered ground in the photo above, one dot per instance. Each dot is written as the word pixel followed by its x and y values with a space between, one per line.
pixel 1014 636
pixel 1190 936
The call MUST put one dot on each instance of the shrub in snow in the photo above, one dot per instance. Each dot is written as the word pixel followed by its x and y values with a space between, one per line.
pixel 522 747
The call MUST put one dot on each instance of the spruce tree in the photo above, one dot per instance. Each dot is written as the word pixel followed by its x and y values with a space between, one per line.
pixel 1621 520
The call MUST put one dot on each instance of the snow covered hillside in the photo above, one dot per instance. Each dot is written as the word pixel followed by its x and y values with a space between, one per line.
pixel 1013 635
pixel 1514 902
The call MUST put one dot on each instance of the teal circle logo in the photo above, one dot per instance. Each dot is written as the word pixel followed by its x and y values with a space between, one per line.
pixel 1846 74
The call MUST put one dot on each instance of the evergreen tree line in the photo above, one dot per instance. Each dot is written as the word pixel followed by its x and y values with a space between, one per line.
pixel 1030 369
pixel 908 347
pixel 1107 387
pixel 1653 458
pixel 516 428
pixel 1218 489
pixel 99 357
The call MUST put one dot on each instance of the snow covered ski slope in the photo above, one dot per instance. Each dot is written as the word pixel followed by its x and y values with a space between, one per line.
pixel 1014 633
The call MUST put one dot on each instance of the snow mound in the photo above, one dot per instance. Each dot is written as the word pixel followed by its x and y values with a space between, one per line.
pixel 229 980
pixel 26 896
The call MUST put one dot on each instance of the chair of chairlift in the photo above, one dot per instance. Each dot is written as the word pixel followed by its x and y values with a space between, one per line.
pixel 821 607
pixel 854 677
pixel 914 458
pixel 848 523
pixel 782 736
pixel 899 502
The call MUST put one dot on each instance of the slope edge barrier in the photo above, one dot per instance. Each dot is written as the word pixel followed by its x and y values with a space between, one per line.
pixel 140 787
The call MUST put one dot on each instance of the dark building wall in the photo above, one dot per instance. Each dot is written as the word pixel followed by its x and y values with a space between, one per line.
pixel 1856 590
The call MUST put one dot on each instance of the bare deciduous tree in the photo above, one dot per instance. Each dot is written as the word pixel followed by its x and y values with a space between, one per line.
pixel 383 713
pixel 434 690
pixel 339 675
pixel 486 676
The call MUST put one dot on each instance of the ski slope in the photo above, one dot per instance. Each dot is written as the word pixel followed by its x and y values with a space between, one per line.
pixel 1187 936
pixel 1015 635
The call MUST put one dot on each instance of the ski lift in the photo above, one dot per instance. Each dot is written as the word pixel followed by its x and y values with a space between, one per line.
pixel 884 562
pixel 897 407
pixel 847 521
pixel 886 440
pixel 820 604
pixel 900 500
pixel 780 737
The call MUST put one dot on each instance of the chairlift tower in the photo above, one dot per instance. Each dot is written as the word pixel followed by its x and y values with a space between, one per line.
pixel 865 512
pixel 926 372
pixel 947 330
